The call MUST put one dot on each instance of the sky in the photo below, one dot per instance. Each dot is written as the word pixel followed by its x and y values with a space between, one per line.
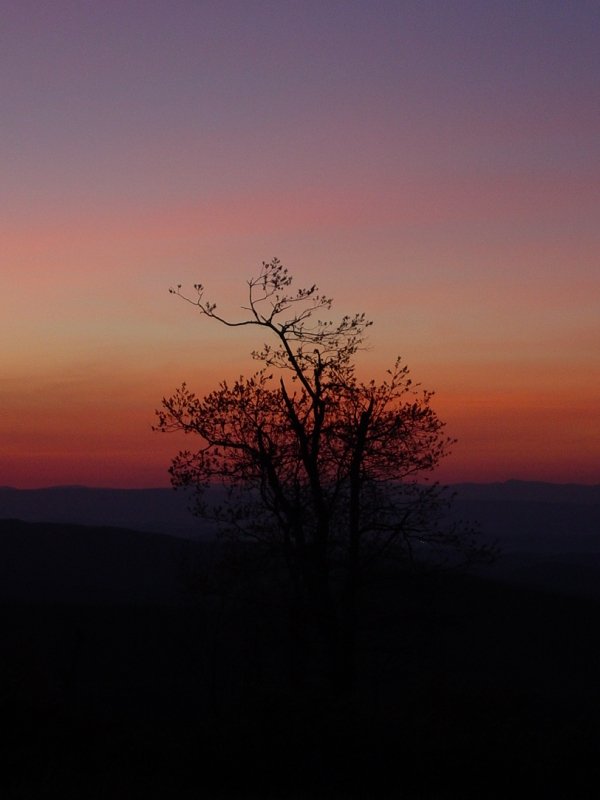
pixel 434 164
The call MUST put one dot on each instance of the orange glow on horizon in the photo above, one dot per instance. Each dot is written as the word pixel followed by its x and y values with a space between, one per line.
pixel 452 199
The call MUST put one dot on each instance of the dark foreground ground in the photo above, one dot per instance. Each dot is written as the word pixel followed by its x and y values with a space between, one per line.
pixel 126 674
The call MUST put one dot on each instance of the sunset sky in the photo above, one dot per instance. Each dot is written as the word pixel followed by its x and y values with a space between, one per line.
pixel 434 164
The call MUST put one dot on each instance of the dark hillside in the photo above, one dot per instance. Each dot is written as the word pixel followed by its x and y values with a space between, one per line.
pixel 549 534
pixel 57 563
pixel 116 685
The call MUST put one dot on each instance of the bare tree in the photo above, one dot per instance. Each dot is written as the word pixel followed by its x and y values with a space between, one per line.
pixel 323 470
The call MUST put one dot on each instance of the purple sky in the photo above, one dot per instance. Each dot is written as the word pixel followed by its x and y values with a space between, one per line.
pixel 435 164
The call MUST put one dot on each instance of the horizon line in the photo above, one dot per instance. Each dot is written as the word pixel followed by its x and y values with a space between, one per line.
pixel 81 486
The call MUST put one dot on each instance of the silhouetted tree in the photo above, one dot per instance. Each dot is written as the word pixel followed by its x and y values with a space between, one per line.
pixel 322 469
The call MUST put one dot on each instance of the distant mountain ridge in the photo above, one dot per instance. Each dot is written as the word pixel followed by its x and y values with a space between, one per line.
pixel 531 491
pixel 496 505
pixel 150 510
pixel 549 534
